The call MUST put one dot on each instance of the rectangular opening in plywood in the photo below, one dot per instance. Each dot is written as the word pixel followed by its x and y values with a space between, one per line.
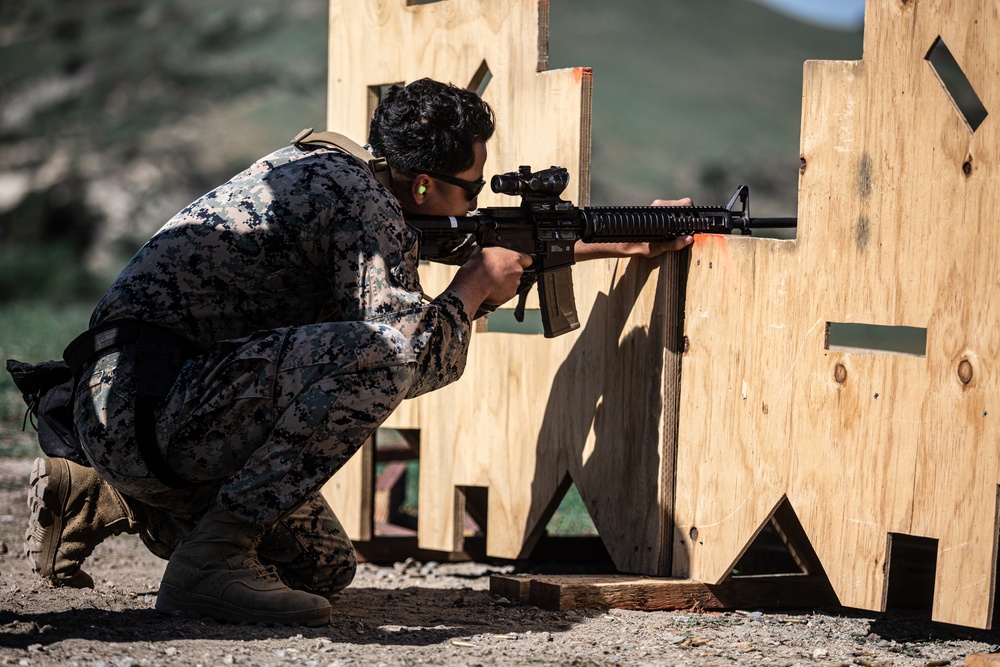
pixel 956 82
pixel 481 79
pixel 912 565
pixel 376 93
pixel 396 469
pixel 503 321
pixel 857 338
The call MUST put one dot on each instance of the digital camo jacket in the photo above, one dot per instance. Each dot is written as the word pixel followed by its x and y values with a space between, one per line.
pixel 298 238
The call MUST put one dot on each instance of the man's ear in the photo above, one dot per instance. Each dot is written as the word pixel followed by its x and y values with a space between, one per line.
pixel 419 187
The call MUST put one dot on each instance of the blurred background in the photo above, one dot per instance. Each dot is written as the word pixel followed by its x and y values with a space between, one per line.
pixel 114 114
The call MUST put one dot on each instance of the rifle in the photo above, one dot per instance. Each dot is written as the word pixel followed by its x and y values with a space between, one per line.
pixel 546 227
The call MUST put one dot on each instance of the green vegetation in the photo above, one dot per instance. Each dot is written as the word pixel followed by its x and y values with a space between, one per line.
pixel 31 332
pixel 49 274
pixel 571 518
pixel 116 113
pixel 693 98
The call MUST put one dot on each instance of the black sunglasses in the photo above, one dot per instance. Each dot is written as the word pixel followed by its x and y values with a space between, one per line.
pixel 473 188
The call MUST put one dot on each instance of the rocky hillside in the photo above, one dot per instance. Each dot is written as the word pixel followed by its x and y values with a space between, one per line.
pixel 114 113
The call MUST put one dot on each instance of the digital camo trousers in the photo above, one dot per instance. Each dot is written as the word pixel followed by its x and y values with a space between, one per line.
pixel 256 425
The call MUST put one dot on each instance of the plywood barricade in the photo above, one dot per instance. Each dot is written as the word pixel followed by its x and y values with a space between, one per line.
pixel 530 413
pixel 897 206
pixel 774 413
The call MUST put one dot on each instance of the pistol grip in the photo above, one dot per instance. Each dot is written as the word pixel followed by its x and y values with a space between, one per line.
pixel 527 280
pixel 522 301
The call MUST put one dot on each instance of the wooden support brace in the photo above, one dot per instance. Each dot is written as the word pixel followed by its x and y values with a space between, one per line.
pixel 620 591
pixel 982 660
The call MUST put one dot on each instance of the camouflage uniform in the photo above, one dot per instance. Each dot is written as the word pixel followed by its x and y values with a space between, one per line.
pixel 299 277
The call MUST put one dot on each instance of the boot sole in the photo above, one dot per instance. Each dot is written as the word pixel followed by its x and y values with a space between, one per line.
pixel 48 489
pixel 174 601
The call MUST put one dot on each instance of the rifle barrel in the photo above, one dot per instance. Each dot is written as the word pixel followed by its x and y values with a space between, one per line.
pixel 772 223
pixel 655 223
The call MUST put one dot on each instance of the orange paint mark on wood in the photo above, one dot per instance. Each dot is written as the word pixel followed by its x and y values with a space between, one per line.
pixel 712 249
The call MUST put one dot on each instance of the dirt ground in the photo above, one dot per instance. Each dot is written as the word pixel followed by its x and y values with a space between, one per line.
pixel 421 613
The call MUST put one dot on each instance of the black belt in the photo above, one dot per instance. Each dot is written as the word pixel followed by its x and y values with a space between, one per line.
pixel 116 334
pixel 159 355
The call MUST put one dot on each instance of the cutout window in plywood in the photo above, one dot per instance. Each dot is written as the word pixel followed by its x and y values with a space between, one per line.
pixel 857 338
pixel 503 321
pixel 911 572
pixel 480 80
pixel 376 93
pixel 768 554
pixel 957 84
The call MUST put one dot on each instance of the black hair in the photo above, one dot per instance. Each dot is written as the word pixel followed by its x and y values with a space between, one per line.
pixel 430 125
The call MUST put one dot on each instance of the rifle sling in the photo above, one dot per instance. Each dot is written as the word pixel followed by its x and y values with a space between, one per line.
pixel 307 139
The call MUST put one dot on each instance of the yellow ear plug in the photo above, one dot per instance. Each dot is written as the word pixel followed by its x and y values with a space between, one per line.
pixel 422 189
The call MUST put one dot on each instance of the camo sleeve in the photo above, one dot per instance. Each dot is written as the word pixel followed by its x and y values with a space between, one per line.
pixel 371 260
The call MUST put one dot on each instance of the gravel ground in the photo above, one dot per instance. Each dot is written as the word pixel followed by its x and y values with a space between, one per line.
pixel 422 613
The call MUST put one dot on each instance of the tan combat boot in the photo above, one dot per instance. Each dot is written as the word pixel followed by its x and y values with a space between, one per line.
pixel 215 572
pixel 72 511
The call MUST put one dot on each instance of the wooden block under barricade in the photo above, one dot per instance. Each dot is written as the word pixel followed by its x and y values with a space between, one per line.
pixel 619 591
pixel 513 587
pixel 982 660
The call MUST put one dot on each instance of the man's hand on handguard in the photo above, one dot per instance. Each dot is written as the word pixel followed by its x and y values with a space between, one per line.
pixel 584 251
pixel 491 275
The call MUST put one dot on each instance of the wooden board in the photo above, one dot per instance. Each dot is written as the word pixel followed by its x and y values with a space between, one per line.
pixel 896 209
pixel 982 660
pixel 896 228
pixel 530 412
pixel 562 409
pixel 578 591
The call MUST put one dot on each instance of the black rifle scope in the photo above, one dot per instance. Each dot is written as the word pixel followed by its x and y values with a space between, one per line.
pixel 547 182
